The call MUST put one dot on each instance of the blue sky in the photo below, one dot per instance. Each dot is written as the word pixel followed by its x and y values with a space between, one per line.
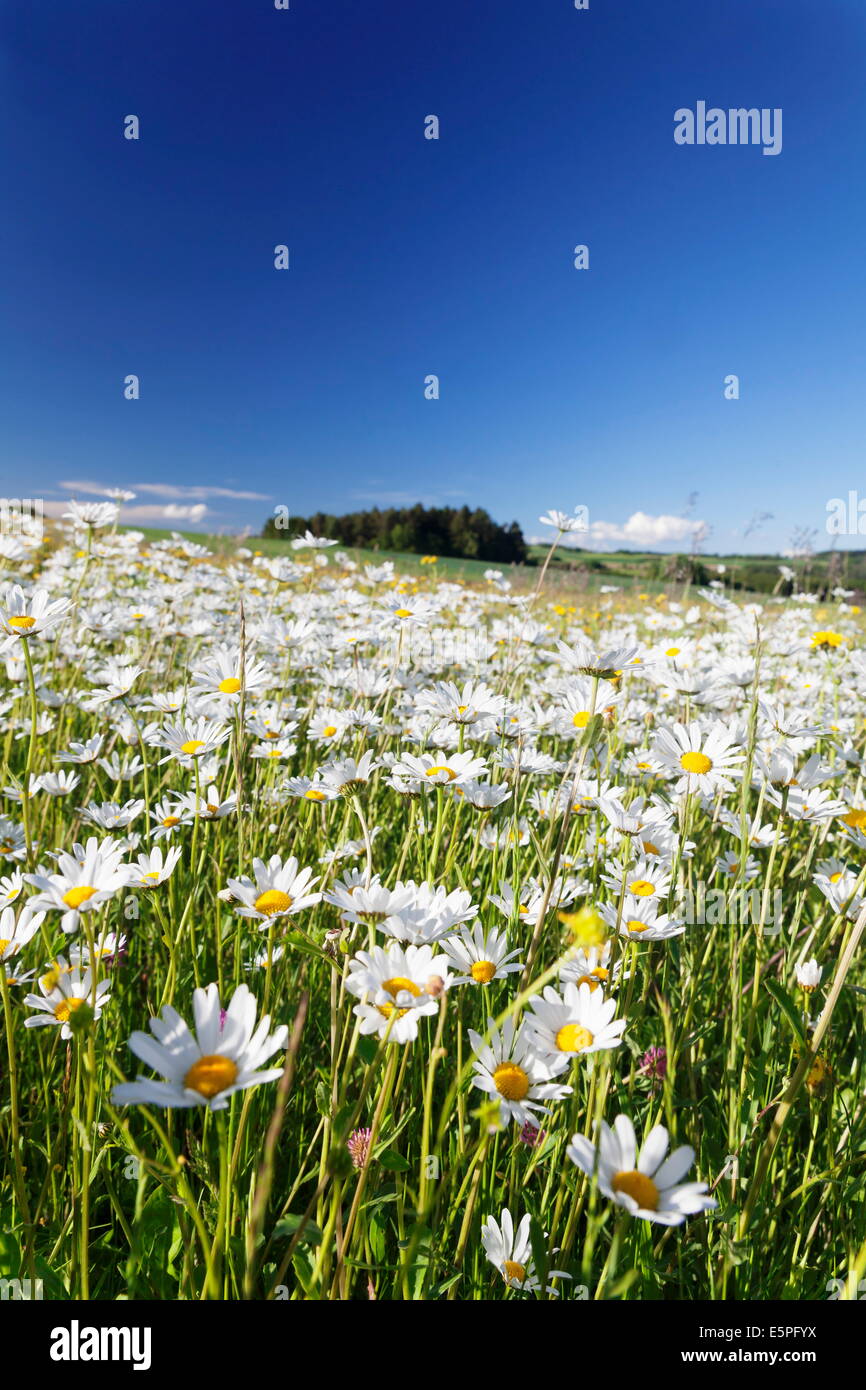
pixel 412 257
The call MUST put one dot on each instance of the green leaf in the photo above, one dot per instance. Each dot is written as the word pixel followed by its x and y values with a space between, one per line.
pixel 788 1007
pixel 367 1049
pixel 323 1100
pixel 10 1256
pixel 288 1227
pixel 393 1162
pixel 540 1255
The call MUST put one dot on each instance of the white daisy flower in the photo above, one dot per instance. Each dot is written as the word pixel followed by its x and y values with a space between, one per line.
pixel 194 739
pixel 66 995
pixel 509 1070
pixel 93 516
pixel 206 1067
pixel 15 932
pixel 701 762
pixel 397 987
pixel 152 868
pixel 510 1252
pixel 29 617
pixel 433 769
pixel 220 677
pixel 11 888
pixel 279 889
pixel 84 880
pixel 649 1188
pixel 481 956
pixel 574 1023
pixel 640 919
pixel 587 660
pixel 86 752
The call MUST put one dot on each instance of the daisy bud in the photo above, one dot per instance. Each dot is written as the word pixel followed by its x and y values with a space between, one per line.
pixel 434 986
pixel 809 976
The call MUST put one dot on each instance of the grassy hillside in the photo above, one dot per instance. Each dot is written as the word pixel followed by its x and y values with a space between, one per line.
pixel 579 570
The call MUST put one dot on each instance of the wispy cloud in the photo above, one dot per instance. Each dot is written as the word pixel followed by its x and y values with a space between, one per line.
pixel 177 491
pixel 147 513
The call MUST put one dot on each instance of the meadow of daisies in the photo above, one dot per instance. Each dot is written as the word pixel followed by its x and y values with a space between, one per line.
pixel 368 936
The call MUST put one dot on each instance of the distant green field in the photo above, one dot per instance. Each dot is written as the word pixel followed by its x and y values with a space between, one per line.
pixel 577 571
pixel 564 575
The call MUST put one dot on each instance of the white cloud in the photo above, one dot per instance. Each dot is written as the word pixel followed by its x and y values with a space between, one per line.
pixel 189 493
pixel 177 491
pixel 148 513
pixel 640 532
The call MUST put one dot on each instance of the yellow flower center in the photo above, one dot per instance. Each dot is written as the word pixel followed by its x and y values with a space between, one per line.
pixel 834 878
pixel 522 910
pixel 388 1011
pixel 273 901
pixel 856 819
pixel 192 745
pixel 638 1186
pixel 672 651
pixel 169 821
pixel 513 1270
pixel 597 978
pixel 642 888
pixel 313 795
pixel 511 1081
pixel 434 771
pixel 403 613
pixel 329 731
pixel 827 639
pixel 210 1075
pixel 483 971
pixel 649 847
pixel 4 942
pixel 573 1038
pixel 23 623
pixel 398 983
pixel 76 896
pixel 230 686
pixel 66 1008
pixel 696 763
pixel 637 926
pixel 581 719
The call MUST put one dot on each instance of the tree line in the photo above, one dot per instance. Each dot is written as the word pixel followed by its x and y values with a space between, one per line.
pixel 453 531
